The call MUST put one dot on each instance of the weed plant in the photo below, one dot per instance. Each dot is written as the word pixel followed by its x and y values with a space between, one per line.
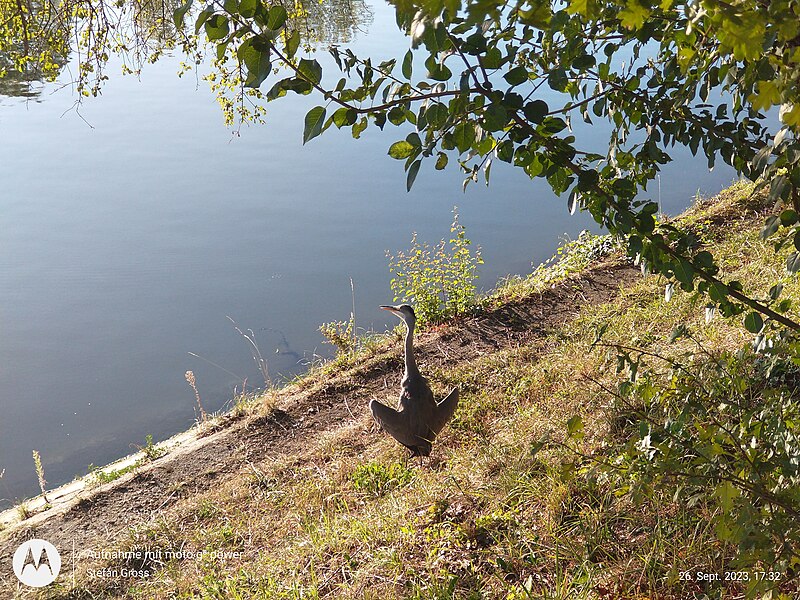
pixel 377 479
pixel 37 461
pixel 438 280
pixel 341 334
pixel 192 381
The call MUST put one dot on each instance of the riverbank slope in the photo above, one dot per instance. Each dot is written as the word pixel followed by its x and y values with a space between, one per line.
pixel 298 495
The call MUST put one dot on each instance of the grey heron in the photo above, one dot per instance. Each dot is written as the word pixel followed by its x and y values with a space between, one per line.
pixel 420 417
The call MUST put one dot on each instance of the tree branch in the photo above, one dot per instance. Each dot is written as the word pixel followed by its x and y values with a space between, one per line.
pixel 329 95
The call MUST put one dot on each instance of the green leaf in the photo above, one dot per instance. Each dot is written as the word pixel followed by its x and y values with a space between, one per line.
pixel 401 150
pixel 474 45
pixel 575 427
pixel 534 166
pixel 486 145
pixel 745 37
pixel 464 136
pixel 505 151
pixel 534 449
pixel 495 117
pixel 771 224
pixel 777 188
pixel 436 71
pixel 727 493
pixel 704 259
pixel 436 114
pixel 247 8
pixel 788 217
pixel 344 117
pixel 684 272
pixel 583 62
pixel 221 49
pixel 753 322
pixel 292 44
pixel 359 127
pixel 558 80
pixel 204 16
pixel 587 180
pixel 516 76
pixel 276 17
pixel 535 111
pixel 217 27
pixel 761 159
pixel 793 262
pixel 539 15
pixel 493 59
pixel 276 91
pixel 256 57
pixel 723 530
pixel 397 115
pixel 179 13
pixel 297 85
pixel 313 123
pixel 552 125
pixel 441 161
pixel 452 6
pixel 412 174
pixel 408 64
pixel 311 70
pixel 567 471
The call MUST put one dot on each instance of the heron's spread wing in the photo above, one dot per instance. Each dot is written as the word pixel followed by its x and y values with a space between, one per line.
pixel 394 423
pixel 444 411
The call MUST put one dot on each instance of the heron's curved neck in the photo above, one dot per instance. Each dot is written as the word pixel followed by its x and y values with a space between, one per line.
pixel 411 364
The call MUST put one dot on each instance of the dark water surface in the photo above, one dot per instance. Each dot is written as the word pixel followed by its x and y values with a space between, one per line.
pixel 129 231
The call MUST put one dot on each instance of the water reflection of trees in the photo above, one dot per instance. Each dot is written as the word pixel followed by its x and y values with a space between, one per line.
pixel 330 21
pixel 38 38
pixel 33 45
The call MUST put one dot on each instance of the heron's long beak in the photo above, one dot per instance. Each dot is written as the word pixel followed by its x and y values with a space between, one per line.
pixel 392 309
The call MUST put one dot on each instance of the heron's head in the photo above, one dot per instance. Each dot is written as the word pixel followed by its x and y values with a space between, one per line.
pixel 404 311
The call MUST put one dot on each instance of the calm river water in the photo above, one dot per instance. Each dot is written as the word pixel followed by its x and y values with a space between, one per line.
pixel 132 228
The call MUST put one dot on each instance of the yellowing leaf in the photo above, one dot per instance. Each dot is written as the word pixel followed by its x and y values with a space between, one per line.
pixel 400 150
pixel 633 15
pixel 727 493
pixel 788 29
pixel 790 114
pixel 744 38
pixel 685 56
pixel 538 16
pixel 587 8
pixel 768 95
